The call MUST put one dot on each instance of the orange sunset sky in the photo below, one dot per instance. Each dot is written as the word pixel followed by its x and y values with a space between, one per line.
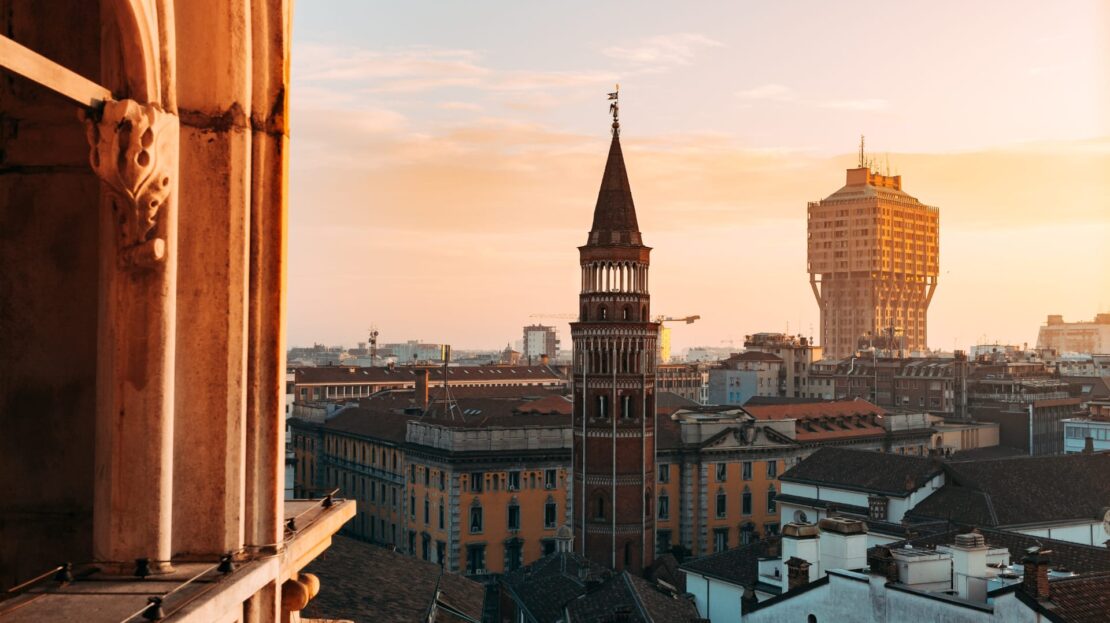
pixel 446 158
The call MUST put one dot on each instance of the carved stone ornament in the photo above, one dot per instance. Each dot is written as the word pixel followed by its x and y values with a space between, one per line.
pixel 134 151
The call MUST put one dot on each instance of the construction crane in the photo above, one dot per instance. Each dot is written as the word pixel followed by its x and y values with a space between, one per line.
pixel 686 319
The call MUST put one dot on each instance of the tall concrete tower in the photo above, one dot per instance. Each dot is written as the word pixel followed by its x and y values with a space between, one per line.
pixel 873 263
pixel 614 383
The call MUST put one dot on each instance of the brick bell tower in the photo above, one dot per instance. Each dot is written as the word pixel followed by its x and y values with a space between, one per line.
pixel 614 382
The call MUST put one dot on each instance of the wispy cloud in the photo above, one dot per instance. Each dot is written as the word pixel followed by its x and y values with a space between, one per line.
pixel 471 106
pixel 864 105
pixel 663 50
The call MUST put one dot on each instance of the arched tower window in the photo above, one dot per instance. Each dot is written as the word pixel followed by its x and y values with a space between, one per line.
pixel 627 313
pixel 647 503
pixel 603 313
pixel 585 313
pixel 643 313
pixel 628 553
pixel 599 507
pixel 602 406
pixel 626 406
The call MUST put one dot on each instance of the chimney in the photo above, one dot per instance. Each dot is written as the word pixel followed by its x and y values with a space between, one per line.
pixel 1035 580
pixel 1088 445
pixel 843 544
pixel 544 360
pixel 969 566
pixel 421 396
pixel 800 540
pixel 797 573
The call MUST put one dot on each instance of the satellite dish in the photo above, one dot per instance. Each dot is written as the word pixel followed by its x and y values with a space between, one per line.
pixel 1106 521
pixel 800 517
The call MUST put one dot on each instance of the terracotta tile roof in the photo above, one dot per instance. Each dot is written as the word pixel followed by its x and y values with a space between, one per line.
pixel 668 433
pixel 1082 599
pixel 1022 490
pixel 739 565
pixel 365 582
pixel 544 587
pixel 754 355
pixel 671 399
pixel 643 602
pixel 812 409
pixel 864 470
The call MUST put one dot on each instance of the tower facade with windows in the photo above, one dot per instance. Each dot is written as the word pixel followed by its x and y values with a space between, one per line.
pixel 614 383
pixel 873 255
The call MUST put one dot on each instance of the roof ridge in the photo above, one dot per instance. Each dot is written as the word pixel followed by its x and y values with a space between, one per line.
pixel 637 598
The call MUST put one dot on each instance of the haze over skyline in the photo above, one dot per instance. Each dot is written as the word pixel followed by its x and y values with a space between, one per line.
pixel 444 167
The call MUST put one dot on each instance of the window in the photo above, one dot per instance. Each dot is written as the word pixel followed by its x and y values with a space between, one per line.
pixel 441 514
pixel 747 533
pixel 772 468
pixel 514 481
pixel 603 313
pixel 720 539
pixel 426 546
pixel 476 480
pixel 475 518
pixel 722 504
pixel 412 505
pixel 441 553
pixel 514 554
pixel 771 529
pixel 550 513
pixel 626 406
pixel 602 407
pixel 412 472
pixel 772 507
pixel 548 546
pixel 514 516
pixel 664 506
pixel 664 472
pixel 427 476
pixel 475 559
pixel 442 481
pixel 599 508
pixel 412 542
pixel 746 502
pixel 550 478
pixel 662 542
pixel 747 470
pixel 393 494
pixel 722 472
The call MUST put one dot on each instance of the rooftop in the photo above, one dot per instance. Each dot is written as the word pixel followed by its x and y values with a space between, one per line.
pixel 864 470
pixel 402 589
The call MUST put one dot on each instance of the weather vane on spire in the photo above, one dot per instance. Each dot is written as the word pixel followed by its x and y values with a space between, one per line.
pixel 615 109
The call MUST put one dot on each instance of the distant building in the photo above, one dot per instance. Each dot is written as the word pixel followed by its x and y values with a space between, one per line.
pixel 478 485
pixel 743 375
pixel 718 467
pixel 414 351
pixel 689 380
pixel 1087 434
pixel 664 343
pixel 936 384
pixel 1028 403
pixel 1092 337
pixel 798 354
pixel 340 383
pixel 873 262
pixel 540 340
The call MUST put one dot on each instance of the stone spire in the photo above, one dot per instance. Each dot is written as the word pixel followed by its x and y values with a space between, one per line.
pixel 615 213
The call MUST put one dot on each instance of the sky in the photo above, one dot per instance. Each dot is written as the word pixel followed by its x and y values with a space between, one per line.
pixel 446 156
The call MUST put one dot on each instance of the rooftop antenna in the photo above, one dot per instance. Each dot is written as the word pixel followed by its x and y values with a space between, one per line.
pixel 886 171
pixel 450 406
pixel 373 345
pixel 615 109
pixel 862 161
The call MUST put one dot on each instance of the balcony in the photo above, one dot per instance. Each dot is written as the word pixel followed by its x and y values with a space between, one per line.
pixel 196 590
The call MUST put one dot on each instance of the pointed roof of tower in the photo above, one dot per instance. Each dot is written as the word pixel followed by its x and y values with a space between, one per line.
pixel 615 213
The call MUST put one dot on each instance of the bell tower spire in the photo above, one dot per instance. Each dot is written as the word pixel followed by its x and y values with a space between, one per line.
pixel 613 381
